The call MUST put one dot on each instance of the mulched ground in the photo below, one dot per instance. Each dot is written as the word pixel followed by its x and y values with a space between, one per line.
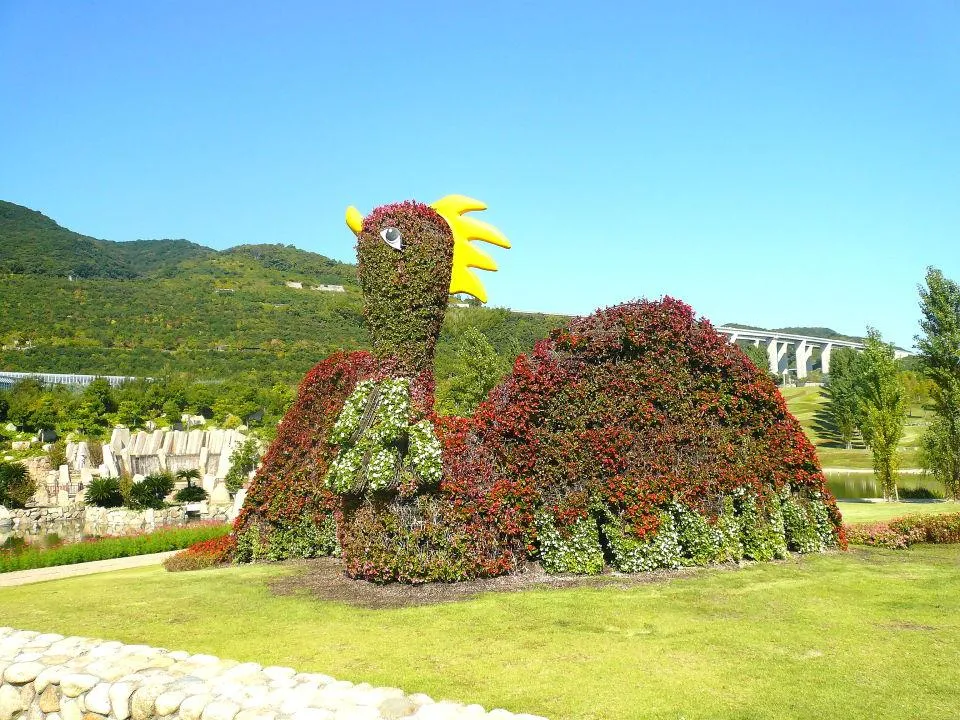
pixel 323 578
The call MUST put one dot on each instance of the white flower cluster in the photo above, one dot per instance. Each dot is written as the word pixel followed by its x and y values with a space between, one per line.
pixel 349 419
pixel 426 452
pixel 372 461
pixel 632 555
pixel 580 553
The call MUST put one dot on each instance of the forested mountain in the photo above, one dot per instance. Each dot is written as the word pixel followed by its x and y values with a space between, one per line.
pixel 72 303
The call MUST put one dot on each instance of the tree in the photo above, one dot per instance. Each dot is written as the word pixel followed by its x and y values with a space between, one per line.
pixel 843 403
pixel 940 361
pixel 883 408
pixel 189 475
pixel 757 355
pixel 477 369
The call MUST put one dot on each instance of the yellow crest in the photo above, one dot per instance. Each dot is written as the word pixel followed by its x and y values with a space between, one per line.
pixel 465 256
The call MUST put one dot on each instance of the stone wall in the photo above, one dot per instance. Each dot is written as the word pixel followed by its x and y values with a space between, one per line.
pixel 52 677
pixel 121 521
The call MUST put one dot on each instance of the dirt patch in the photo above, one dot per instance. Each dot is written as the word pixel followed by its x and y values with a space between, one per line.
pixel 324 578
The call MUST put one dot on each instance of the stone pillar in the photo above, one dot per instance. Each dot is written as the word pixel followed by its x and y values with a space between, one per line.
pixel 825 358
pixel 777 354
pixel 804 353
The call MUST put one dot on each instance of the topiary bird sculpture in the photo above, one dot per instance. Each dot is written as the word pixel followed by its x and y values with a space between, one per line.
pixel 636 436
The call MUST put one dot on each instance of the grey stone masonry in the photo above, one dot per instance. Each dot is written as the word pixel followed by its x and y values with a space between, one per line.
pixel 52 677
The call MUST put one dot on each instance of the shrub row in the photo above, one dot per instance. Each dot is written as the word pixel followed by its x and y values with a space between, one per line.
pixel 106 548
pixel 900 533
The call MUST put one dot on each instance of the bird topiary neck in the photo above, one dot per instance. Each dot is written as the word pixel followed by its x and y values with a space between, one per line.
pixel 404 258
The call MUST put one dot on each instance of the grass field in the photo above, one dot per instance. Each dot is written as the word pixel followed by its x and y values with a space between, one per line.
pixel 870 633
pixel 807 403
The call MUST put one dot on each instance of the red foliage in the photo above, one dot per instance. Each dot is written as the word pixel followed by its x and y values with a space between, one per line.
pixel 639 405
pixel 634 407
pixel 204 554
pixel 289 484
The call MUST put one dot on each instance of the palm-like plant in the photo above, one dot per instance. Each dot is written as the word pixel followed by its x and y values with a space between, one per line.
pixel 189 475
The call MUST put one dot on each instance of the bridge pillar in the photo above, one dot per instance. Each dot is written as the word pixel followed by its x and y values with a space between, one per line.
pixel 777 355
pixel 804 353
pixel 825 358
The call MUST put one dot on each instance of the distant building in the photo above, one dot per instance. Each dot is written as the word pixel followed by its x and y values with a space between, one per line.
pixel 294 284
pixel 328 288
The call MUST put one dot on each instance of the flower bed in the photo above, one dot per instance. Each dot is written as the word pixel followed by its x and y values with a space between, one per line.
pixel 107 548
pixel 900 533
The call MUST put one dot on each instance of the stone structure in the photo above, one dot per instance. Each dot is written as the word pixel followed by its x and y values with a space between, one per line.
pixel 52 677
pixel 9 379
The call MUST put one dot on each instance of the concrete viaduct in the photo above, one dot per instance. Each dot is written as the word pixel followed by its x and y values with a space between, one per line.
pixel 9 379
pixel 778 343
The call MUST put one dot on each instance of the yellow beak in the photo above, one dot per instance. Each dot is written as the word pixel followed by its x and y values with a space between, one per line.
pixel 354 220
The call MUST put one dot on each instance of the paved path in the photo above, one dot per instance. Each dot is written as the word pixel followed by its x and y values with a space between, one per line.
pixel 25 577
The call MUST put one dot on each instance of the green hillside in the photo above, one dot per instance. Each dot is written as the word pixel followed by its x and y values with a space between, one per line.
pixel 73 303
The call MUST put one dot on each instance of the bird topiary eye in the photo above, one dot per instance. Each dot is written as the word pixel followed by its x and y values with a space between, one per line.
pixel 391 236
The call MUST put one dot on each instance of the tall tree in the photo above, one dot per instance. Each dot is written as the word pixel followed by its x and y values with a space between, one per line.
pixel 940 360
pixel 477 369
pixel 883 408
pixel 843 403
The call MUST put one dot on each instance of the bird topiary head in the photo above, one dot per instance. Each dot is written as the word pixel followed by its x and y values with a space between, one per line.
pixel 410 258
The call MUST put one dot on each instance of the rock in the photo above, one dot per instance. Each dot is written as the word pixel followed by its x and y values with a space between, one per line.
pixel 220 495
pixel 238 501
pixel 70 710
pixel 93 716
pixel 75 684
pixel 276 672
pixel 10 702
pixel 98 699
pixel 220 710
pixel 27 694
pixel 142 702
pixel 397 707
pixel 50 699
pixel 310 714
pixel 23 672
pixel 357 713
pixel 168 702
pixel 6 518
pixel 119 694
pixel 192 707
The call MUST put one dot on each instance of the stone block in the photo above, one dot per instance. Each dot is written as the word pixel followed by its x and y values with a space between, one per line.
pixel 10 702
pixel 50 699
pixel 119 694
pixel 220 495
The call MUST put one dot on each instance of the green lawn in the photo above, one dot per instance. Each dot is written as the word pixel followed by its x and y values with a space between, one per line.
pixel 871 633
pixel 863 512
pixel 807 403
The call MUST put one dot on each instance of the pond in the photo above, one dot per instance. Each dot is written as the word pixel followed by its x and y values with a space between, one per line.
pixel 864 485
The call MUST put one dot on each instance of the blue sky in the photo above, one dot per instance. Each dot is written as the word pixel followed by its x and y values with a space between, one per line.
pixel 769 164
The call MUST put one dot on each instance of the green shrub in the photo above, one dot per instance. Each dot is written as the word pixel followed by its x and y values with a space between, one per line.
pixel 104 492
pixel 574 549
pixel 919 493
pixel 16 485
pixel 761 529
pixel 57 455
pixel 243 459
pixel 800 525
pixel 191 493
pixel 111 547
pixel 150 492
